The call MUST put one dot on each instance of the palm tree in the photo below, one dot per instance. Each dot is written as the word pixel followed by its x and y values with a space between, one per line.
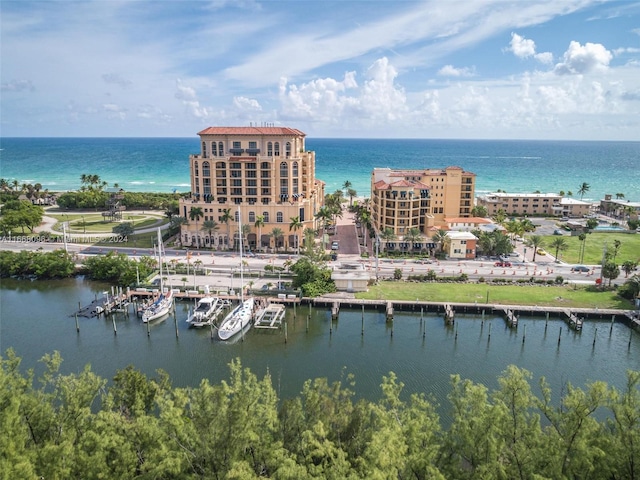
pixel 628 267
pixel 616 248
pixel 296 225
pixel 226 217
pixel 324 214
pixel 259 224
pixel 441 238
pixel 276 233
pixel 4 184
pixel 245 230
pixel 479 211
pixel 210 226
pixel 412 236
pixel 583 238
pixel 500 217
pixel 559 244
pixel 584 188
pixel 194 214
pixel 351 193
pixel 347 185
pixel 535 242
pixel 388 235
pixel 619 196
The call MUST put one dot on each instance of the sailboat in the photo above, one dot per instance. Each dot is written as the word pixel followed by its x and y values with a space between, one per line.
pixel 164 302
pixel 240 317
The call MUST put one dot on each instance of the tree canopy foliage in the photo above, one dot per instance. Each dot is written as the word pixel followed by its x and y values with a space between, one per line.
pixel 118 268
pixel 79 426
pixel 18 214
pixel 44 265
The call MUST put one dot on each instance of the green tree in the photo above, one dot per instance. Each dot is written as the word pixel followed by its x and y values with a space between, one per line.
pixel 387 235
pixel 628 266
pixel 351 193
pixel 125 229
pixel 294 226
pixel 259 224
pixel 195 213
pixel 535 242
pixel 210 226
pixel 610 271
pixel 226 218
pixel 20 214
pixel 277 234
pixel 591 223
pixel 559 244
pixel 441 238
pixel 584 188
pixel 479 211
pixel 313 278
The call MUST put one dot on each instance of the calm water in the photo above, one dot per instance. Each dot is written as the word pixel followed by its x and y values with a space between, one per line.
pixel 36 320
pixel 162 164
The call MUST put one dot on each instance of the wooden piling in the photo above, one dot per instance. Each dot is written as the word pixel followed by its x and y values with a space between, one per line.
pixel 115 330
pixel 524 335
pixel 595 334
pixel 175 322
pixel 489 337
pixel 285 331
pixel 559 335
pixel 77 324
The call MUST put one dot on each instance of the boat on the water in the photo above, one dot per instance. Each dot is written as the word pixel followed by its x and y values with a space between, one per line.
pixel 237 320
pixel 159 308
pixel 241 317
pixel 204 312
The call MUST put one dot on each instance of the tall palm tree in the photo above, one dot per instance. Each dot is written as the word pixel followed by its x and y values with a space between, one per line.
pixel 324 215
pixel 195 214
pixel 210 226
pixel 583 238
pixel 388 235
pixel 276 233
pixel 351 193
pixel 500 217
pixel 226 218
pixel 441 238
pixel 245 230
pixel 584 188
pixel 347 185
pixel 559 244
pixel 535 242
pixel 294 226
pixel 259 224
pixel 412 236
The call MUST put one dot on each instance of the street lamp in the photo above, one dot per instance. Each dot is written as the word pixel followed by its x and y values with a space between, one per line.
pixel 84 225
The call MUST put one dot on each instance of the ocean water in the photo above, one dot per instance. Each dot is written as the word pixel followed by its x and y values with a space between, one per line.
pixel 162 164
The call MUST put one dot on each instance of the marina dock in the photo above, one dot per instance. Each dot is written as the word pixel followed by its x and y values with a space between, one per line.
pixel 271 317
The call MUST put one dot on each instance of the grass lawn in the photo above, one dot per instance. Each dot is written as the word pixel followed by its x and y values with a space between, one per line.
pixel 629 247
pixel 569 296
pixel 94 223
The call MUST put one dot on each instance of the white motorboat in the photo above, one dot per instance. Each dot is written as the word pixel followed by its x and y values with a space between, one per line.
pixel 204 312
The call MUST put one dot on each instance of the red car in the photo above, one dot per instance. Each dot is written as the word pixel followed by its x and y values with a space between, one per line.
pixel 503 264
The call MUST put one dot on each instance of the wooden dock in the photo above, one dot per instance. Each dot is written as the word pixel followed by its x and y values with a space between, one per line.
pixel 389 311
pixel 271 317
pixel 510 317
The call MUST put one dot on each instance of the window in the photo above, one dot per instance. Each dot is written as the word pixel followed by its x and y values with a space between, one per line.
pixel 204 149
pixel 279 217
pixel 214 150
pixel 284 189
pixel 265 215
pixel 276 151
pixel 265 183
pixel 253 145
pixel 236 182
pixel 294 168
pixel 269 151
pixel 288 149
pixel 295 186
pixel 284 170
pixel 237 145
pixel 220 149
pixel 265 166
pixel 206 169
pixel 221 165
pixel 252 217
pixel 195 169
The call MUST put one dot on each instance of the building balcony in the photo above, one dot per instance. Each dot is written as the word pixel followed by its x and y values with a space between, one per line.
pixel 236 151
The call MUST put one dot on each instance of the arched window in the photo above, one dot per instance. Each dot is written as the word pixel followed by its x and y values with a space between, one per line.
pixel 237 216
pixel 265 215
pixel 294 169
pixel 252 217
pixel 206 169
pixel 195 169
pixel 204 149
pixel 276 151
pixel 279 217
pixel 288 149
pixel 220 149
pixel 284 170
pixel 221 165
pixel 270 149
pixel 214 149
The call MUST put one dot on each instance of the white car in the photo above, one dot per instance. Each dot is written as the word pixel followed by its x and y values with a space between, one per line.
pixel 335 246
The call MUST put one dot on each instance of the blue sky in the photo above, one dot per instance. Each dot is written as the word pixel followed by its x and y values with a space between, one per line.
pixel 495 69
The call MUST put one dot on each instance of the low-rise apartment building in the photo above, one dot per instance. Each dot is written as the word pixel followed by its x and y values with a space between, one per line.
pixel 533 204
pixel 263 176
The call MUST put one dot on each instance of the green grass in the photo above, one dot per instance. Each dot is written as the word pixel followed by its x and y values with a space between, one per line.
pixel 569 296
pixel 629 248
pixel 94 223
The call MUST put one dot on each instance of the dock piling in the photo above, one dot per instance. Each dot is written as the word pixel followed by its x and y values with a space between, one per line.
pixel 115 330
pixel 595 334
pixel 559 335
pixel 77 324
pixel 524 335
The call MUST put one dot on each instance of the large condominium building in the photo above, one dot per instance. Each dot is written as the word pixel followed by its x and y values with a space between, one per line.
pixel 533 204
pixel 422 199
pixel 255 174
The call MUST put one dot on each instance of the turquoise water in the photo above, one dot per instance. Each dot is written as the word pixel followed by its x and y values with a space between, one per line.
pixel 162 164
pixel 604 228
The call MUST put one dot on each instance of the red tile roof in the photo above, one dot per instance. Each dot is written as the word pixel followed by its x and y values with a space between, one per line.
pixel 252 131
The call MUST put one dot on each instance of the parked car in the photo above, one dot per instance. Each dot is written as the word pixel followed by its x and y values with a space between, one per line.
pixel 541 252
pixel 580 268
pixel 557 232
pixel 503 264
pixel 335 246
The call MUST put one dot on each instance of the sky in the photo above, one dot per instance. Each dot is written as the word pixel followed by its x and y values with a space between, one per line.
pixel 473 69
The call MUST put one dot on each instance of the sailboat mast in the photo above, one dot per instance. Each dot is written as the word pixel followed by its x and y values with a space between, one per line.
pixel 241 265
pixel 160 260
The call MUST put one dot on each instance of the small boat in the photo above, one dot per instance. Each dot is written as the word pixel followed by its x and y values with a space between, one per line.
pixel 159 308
pixel 204 312
pixel 240 317
pixel 238 320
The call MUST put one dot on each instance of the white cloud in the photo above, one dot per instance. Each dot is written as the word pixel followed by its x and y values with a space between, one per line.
pixel 621 51
pixel 246 104
pixel 114 78
pixel 524 48
pixel 451 71
pixel 579 59
pixel 18 86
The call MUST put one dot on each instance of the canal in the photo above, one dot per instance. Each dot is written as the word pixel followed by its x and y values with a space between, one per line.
pixel 36 318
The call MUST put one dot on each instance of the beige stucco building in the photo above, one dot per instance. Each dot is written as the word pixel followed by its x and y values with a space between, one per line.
pixel 422 199
pixel 533 204
pixel 251 173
